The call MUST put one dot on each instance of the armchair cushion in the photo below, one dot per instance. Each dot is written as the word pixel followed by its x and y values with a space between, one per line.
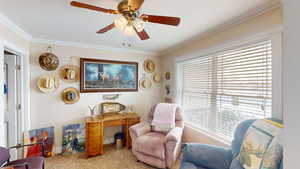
pixel 188 165
pixel 207 156
pixel 33 163
pixel 151 144
pixel 140 129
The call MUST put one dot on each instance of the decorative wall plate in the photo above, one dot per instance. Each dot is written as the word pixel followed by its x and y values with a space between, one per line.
pixel 48 61
pixel 69 73
pixel 111 96
pixel 48 83
pixel 156 78
pixel 149 66
pixel 70 95
pixel 168 75
pixel 109 108
pixel 145 83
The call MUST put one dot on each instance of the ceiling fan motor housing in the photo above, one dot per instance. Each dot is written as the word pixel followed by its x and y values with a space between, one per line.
pixel 127 11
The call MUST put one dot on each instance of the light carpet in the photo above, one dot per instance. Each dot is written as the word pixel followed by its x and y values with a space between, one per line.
pixel 111 159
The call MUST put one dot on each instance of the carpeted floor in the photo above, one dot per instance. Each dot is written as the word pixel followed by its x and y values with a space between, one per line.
pixel 112 159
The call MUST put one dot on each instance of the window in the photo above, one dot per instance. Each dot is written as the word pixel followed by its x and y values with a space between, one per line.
pixel 220 90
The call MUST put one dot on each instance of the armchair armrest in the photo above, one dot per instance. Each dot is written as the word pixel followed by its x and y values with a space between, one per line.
pixel 25 165
pixel 174 135
pixel 207 156
pixel 32 144
pixel 172 145
pixel 140 129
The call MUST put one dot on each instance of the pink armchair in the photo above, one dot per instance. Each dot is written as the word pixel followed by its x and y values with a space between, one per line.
pixel 155 148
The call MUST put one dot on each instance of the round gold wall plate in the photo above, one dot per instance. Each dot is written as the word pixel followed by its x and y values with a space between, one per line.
pixel 168 75
pixel 48 83
pixel 70 95
pixel 69 73
pixel 145 84
pixel 149 66
pixel 156 78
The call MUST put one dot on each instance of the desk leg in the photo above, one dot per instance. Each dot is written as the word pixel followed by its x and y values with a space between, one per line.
pixel 102 137
pixel 126 133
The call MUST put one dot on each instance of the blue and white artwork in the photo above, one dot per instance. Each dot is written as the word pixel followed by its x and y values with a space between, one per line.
pixel 110 76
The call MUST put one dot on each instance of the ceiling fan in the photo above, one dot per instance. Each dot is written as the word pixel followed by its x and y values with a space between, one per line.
pixel 130 21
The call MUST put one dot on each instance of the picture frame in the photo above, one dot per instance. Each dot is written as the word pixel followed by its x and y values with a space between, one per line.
pixel 111 108
pixel 108 76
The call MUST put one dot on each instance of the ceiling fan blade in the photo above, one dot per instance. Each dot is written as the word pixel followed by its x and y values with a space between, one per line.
pixel 135 4
pixel 91 7
pixel 108 28
pixel 167 20
pixel 143 34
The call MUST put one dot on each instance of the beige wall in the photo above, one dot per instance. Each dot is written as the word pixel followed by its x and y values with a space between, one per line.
pixel 262 23
pixel 50 110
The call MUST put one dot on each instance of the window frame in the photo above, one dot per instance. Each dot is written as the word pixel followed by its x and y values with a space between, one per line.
pixel 275 36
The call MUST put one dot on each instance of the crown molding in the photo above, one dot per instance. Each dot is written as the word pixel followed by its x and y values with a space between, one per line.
pixel 14 27
pixel 19 31
pixel 92 46
pixel 225 26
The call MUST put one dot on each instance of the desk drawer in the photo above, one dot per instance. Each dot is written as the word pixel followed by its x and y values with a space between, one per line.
pixel 93 132
pixel 94 150
pixel 94 145
pixel 93 125
pixel 114 123
pixel 92 139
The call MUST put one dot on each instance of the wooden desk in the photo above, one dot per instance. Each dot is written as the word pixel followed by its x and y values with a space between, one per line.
pixel 95 126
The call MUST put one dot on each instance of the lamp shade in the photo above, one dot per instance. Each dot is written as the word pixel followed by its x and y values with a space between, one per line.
pixel 138 24
pixel 121 22
pixel 129 31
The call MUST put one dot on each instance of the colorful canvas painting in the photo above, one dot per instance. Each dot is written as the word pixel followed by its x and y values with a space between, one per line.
pixel 45 135
pixel 108 76
pixel 73 138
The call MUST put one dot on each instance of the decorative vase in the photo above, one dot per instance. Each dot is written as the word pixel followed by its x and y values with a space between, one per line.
pixel 92 111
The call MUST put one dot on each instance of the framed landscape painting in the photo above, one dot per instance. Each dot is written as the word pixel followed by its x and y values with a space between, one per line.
pixel 108 76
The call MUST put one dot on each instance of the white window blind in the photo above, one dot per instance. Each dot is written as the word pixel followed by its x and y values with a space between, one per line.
pixel 225 88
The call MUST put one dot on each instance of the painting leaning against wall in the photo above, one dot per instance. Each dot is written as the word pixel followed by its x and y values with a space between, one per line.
pixel 108 76
pixel 73 138
pixel 45 135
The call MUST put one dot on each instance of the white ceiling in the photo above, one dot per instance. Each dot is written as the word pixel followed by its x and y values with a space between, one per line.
pixel 57 20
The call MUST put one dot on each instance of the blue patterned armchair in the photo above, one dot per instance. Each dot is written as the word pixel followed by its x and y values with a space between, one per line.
pixel 202 156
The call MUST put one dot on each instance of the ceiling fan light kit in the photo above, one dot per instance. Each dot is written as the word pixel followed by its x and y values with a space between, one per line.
pixel 128 27
pixel 130 22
